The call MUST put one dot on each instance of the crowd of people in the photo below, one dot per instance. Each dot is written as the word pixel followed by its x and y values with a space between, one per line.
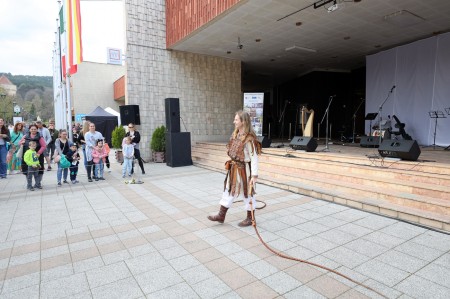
pixel 25 149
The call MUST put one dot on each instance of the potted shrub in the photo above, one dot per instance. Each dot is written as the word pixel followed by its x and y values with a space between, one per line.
pixel 117 136
pixel 158 144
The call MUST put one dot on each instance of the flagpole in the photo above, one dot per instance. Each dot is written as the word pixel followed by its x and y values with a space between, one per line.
pixel 69 108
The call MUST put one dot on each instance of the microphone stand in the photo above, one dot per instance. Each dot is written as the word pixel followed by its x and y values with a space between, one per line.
pixel 327 112
pixel 380 117
pixel 354 120
pixel 281 120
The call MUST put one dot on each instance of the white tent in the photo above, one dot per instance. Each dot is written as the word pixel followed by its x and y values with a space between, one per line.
pixel 113 112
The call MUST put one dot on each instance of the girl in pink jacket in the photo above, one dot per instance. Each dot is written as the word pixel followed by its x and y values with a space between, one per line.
pixel 99 154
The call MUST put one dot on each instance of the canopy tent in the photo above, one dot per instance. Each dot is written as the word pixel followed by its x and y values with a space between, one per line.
pixel 104 122
pixel 114 112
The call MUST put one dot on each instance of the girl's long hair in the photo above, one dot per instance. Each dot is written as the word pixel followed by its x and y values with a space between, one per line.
pixel 245 118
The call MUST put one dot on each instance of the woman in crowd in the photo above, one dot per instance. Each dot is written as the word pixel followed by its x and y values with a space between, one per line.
pixel 62 147
pixel 91 138
pixel 16 136
pixel 83 131
pixel 243 150
pixel 135 138
pixel 33 135
pixel 4 139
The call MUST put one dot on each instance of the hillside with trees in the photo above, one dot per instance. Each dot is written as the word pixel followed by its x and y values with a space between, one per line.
pixel 34 95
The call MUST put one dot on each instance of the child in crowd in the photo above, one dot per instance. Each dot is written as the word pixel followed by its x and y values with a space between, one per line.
pixel 73 157
pixel 32 160
pixel 98 155
pixel 128 154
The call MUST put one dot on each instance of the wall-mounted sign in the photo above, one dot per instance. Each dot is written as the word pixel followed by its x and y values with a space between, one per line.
pixel 114 56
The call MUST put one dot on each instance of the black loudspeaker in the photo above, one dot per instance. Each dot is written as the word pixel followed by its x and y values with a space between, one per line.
pixel 129 114
pixel 265 142
pixel 178 149
pixel 308 144
pixel 370 141
pixel 403 149
pixel 172 115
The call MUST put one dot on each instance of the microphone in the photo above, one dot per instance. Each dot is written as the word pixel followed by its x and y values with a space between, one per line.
pixel 392 89
pixel 288 101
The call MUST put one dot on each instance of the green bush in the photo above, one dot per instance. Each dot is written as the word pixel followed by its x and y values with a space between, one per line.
pixel 117 136
pixel 158 142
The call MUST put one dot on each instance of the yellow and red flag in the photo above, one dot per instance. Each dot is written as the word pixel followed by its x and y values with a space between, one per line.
pixel 72 49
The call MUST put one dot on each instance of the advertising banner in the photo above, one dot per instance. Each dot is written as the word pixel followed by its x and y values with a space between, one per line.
pixel 253 105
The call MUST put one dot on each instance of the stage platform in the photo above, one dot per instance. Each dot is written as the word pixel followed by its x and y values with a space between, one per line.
pixel 414 191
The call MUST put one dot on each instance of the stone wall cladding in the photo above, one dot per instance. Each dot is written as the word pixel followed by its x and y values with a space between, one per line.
pixel 209 88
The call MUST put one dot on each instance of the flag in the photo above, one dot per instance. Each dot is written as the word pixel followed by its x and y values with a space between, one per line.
pixel 70 29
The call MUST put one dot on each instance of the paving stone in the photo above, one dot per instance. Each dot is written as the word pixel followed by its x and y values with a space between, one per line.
pixel 261 269
pixel 317 244
pixel 21 282
pixel 211 288
pixel 418 287
pixel 419 251
pixel 383 239
pixel 184 262
pixel 29 293
pixel 196 274
pixel 281 282
pixel 158 279
pixel 381 272
pixel 179 291
pixel 366 248
pixel 312 227
pixel 303 292
pixel 65 286
pixel 58 272
pixel 346 257
pixel 125 288
pixel 107 274
pixel 403 230
pixel 375 222
pixel 146 263
pixel 402 261
pixel 440 242
pixel 436 274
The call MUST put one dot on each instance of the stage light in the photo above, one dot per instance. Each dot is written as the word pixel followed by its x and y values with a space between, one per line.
pixel 322 3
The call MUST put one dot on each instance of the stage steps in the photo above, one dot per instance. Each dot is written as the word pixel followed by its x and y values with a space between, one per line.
pixel 412 191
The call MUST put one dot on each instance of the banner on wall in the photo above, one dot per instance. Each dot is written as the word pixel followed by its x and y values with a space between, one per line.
pixel 253 105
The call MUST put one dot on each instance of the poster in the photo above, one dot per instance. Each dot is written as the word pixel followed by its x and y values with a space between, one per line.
pixel 253 105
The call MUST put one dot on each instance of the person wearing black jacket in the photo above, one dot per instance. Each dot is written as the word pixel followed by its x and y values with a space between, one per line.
pixel 5 137
pixel 135 139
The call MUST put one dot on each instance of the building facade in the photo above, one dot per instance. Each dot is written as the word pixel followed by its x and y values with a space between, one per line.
pixel 209 88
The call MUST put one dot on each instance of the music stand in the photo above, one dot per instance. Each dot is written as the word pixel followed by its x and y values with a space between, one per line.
pixel 448 112
pixel 436 115
pixel 371 116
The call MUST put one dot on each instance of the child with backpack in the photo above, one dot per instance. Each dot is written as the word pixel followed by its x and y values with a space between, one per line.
pixel 74 159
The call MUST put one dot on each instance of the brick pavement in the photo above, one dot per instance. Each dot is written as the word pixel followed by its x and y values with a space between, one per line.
pixel 108 239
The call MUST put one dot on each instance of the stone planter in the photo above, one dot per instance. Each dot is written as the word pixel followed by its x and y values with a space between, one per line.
pixel 158 157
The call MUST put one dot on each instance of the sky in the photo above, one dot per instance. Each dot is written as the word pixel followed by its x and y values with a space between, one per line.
pixel 27 33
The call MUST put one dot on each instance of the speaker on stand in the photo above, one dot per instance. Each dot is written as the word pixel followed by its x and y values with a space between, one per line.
pixel 172 115
pixel 129 114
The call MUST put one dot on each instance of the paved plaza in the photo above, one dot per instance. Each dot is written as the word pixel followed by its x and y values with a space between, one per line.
pixel 108 239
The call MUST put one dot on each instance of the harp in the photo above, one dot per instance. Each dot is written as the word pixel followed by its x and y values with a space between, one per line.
pixel 307 118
